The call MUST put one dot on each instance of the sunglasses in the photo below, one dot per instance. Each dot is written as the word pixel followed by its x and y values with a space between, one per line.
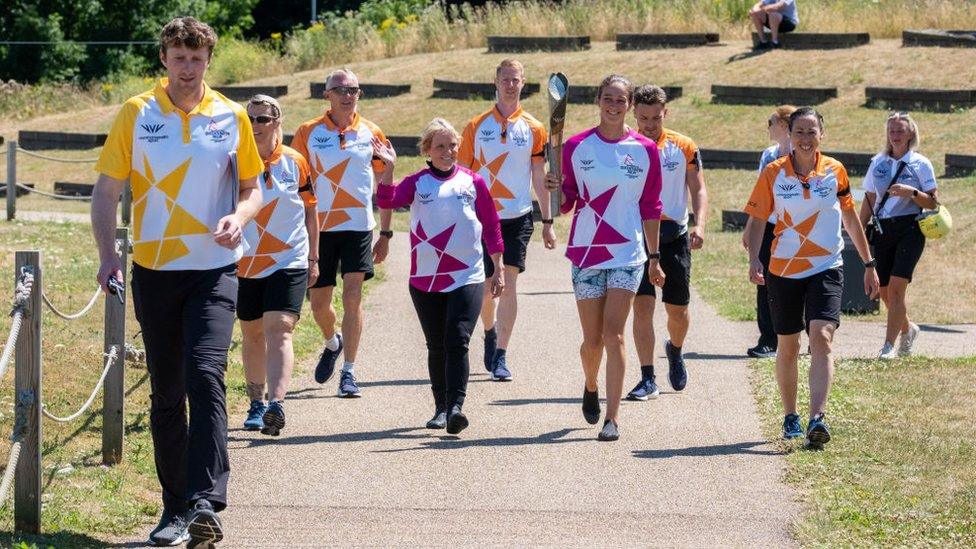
pixel 345 90
pixel 263 119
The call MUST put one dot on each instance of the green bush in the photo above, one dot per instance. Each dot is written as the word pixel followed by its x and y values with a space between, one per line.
pixel 236 60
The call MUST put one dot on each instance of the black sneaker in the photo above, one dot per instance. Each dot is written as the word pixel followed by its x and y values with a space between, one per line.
pixel 591 406
pixel 609 432
pixel 646 388
pixel 274 419
pixel 170 531
pixel 326 366
pixel 818 433
pixel 456 421
pixel 762 351
pixel 204 526
pixel 439 421
pixel 762 45
pixel 677 373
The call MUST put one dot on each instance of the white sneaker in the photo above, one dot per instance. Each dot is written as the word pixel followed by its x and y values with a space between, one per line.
pixel 888 352
pixel 908 340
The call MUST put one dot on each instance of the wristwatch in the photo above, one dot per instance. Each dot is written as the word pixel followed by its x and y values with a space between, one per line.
pixel 655 255
pixel 915 193
pixel 870 264
pixel 388 234
pixel 547 221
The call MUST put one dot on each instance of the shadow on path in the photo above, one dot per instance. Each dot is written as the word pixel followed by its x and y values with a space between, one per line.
pixel 940 329
pixel 449 442
pixel 745 55
pixel 400 433
pixel 712 356
pixel 708 451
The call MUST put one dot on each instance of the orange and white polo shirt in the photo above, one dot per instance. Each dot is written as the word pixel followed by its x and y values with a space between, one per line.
pixel 502 151
pixel 808 236
pixel 179 167
pixel 277 237
pixel 679 154
pixel 343 169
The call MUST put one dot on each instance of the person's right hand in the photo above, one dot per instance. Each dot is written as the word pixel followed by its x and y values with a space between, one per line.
pixel 757 273
pixel 384 151
pixel 112 267
pixel 553 181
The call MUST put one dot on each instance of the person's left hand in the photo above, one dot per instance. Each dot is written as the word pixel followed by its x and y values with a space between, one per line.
pixel 498 280
pixel 228 233
pixel 655 274
pixel 697 236
pixel 313 273
pixel 381 249
pixel 899 189
pixel 871 284
pixel 548 236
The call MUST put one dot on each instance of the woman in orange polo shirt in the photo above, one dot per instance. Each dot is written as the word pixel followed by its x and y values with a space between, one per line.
pixel 810 196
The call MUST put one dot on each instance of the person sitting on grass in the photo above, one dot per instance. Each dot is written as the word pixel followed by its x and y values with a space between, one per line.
pixel 776 16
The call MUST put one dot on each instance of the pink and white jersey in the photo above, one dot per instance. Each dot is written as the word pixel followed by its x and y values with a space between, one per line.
pixel 447 219
pixel 614 186
pixel 277 237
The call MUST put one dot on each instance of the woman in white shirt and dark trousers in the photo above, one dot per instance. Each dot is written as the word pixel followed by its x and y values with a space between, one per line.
pixel 899 184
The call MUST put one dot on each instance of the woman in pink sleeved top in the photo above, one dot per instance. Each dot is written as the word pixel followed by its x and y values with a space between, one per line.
pixel 451 211
pixel 612 178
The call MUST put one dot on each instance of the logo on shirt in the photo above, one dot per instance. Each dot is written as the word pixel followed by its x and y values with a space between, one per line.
pixel 822 188
pixel 487 135
pixel 630 167
pixel 153 133
pixel 668 161
pixel 787 190
pixel 520 139
pixel 322 142
pixel 466 196
pixel 425 198
pixel 216 133
pixel 587 164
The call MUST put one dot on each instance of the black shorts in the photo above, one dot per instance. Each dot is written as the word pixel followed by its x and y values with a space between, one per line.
pixel 350 251
pixel 282 290
pixel 516 234
pixel 898 249
pixel 785 25
pixel 676 264
pixel 795 302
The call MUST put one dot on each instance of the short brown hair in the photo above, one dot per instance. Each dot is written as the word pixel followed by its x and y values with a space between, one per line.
pixel 650 95
pixel 510 64
pixel 783 113
pixel 616 79
pixel 187 32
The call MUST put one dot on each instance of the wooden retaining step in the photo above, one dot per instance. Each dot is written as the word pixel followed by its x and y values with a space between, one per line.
pixel 919 98
pixel 857 163
pixel 66 188
pixel 939 38
pixel 243 93
pixel 316 90
pixel 449 89
pixel 522 44
pixel 20 191
pixel 38 141
pixel 959 165
pixel 762 95
pixel 818 40
pixel 665 40
pixel 587 94
pixel 734 220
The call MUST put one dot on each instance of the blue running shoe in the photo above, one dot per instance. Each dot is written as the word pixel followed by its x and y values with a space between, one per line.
pixel 791 426
pixel 347 386
pixel 646 388
pixel 677 373
pixel 326 366
pixel 274 419
pixel 817 432
pixel 255 413
pixel 500 372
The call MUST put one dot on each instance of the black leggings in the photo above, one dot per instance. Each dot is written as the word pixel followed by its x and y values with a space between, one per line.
pixel 447 319
pixel 764 318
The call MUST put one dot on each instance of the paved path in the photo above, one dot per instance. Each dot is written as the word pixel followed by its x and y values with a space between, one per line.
pixel 690 469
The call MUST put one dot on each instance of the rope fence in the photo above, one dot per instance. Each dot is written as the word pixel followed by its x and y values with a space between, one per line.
pixel 32 190
pixel 24 470
pixel 57 159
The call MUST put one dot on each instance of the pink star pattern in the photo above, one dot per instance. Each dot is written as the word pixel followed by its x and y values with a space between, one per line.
pixel 598 250
pixel 446 262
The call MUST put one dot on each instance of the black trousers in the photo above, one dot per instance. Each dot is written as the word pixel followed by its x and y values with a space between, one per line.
pixel 447 319
pixel 187 318
pixel 767 336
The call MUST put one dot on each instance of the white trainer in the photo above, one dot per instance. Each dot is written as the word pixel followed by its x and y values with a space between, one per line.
pixel 888 352
pixel 908 340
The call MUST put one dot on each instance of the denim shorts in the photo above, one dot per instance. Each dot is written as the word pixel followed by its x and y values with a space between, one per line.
pixel 593 283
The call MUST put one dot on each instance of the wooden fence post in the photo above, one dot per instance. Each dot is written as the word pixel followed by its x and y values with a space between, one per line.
pixel 27 491
pixel 11 180
pixel 113 396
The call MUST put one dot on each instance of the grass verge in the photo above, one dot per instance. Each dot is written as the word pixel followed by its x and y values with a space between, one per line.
pixel 898 471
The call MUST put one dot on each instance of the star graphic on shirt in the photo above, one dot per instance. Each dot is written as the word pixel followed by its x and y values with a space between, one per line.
pixel 808 248
pixel 604 235
pixel 446 262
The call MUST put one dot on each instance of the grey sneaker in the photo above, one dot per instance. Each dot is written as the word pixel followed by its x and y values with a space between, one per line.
pixel 204 526
pixel 908 340
pixel 170 531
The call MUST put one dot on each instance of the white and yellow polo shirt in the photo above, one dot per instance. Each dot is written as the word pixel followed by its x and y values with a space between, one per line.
pixel 808 237
pixel 679 154
pixel 178 165
pixel 502 151
pixel 343 168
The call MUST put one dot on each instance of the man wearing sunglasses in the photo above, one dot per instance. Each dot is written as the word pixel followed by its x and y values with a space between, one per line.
pixel 338 147
pixel 173 145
